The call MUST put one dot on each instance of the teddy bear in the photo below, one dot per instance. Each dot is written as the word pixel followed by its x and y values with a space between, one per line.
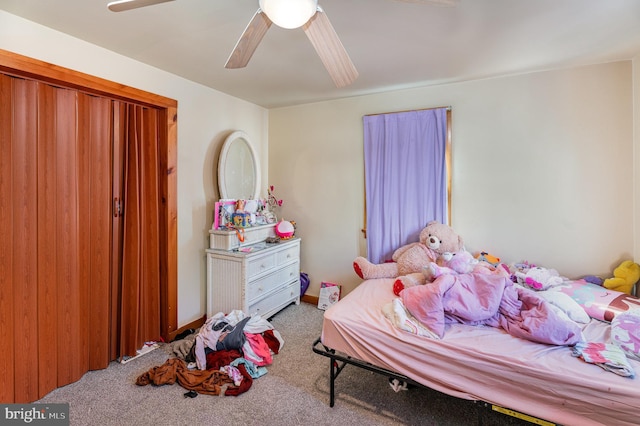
pixel 624 277
pixel 408 261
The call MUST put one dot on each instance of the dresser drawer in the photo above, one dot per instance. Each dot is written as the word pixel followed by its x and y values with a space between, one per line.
pixel 276 301
pixel 260 265
pixel 288 255
pixel 267 283
pixel 263 264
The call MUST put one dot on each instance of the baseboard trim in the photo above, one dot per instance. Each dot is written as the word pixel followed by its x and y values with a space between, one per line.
pixel 194 324
pixel 312 300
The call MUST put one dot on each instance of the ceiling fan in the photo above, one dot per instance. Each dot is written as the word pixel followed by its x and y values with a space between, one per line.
pixel 289 14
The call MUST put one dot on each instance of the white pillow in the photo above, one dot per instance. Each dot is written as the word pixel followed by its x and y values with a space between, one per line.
pixel 566 304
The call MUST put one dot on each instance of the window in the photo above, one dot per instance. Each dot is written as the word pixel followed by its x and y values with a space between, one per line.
pixel 407 176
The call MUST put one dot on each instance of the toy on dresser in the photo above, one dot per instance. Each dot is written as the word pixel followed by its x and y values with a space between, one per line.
pixel 241 218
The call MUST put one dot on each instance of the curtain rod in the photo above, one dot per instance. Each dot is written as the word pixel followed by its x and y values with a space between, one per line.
pixel 408 110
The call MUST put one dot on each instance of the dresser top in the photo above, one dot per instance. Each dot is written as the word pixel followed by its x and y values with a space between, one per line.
pixel 255 248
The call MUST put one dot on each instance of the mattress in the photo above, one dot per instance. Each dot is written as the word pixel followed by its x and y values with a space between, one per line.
pixel 485 363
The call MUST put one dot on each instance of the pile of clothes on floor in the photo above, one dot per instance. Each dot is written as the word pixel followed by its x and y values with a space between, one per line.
pixel 222 357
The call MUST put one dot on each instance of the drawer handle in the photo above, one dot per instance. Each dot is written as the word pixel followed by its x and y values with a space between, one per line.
pixel 262 266
pixel 288 255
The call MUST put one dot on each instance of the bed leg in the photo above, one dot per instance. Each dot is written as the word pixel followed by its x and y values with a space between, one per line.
pixel 480 407
pixel 332 380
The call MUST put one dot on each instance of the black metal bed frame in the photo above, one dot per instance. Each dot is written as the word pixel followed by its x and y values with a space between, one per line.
pixel 338 362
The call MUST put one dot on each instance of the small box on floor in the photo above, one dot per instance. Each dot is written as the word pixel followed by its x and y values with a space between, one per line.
pixel 329 295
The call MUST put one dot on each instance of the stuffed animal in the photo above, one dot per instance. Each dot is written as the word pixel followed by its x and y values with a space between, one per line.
pixel 539 278
pixel 593 279
pixel 436 238
pixel 461 262
pixel 489 258
pixel 624 277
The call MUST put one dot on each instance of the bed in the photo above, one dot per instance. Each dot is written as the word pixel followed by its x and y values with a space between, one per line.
pixel 516 376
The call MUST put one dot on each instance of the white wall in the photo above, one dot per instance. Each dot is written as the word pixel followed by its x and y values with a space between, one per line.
pixel 205 118
pixel 542 169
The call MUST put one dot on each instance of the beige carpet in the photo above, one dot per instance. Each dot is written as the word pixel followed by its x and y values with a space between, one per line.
pixel 295 391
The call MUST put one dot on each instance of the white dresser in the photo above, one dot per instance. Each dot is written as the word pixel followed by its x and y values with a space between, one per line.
pixel 259 279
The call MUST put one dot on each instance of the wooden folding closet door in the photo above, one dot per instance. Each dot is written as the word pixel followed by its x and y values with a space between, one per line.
pixel 55 187
pixel 55 309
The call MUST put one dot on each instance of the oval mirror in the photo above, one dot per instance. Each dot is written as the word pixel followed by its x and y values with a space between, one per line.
pixel 238 169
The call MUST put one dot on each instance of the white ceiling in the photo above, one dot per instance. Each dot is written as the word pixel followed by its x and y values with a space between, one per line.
pixel 392 44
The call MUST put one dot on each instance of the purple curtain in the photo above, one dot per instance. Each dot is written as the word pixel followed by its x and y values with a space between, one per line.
pixel 405 177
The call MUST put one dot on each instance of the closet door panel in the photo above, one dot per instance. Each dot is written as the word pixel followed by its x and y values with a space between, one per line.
pixel 95 222
pixel 118 129
pixel 72 311
pixel 150 309
pixel 48 300
pixel 6 248
pixel 24 228
pixel 167 130
pixel 83 209
pixel 140 285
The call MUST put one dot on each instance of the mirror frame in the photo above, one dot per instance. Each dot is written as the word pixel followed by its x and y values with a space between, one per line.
pixel 229 142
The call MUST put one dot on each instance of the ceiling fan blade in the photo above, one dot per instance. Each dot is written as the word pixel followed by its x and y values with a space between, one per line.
pixel 122 5
pixel 249 41
pixel 330 49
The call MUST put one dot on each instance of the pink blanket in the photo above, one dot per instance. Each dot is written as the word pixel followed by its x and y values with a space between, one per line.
pixel 481 299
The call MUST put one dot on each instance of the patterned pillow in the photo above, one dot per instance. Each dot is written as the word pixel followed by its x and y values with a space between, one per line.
pixel 625 332
pixel 599 302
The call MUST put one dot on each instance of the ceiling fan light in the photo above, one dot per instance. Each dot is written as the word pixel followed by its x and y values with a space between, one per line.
pixel 289 13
